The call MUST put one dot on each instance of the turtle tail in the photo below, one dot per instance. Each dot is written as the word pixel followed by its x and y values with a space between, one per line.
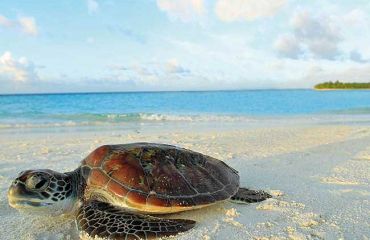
pixel 245 195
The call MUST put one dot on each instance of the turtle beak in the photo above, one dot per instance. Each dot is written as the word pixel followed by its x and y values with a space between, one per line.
pixel 20 197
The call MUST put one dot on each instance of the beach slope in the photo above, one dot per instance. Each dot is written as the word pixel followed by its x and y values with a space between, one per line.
pixel 318 173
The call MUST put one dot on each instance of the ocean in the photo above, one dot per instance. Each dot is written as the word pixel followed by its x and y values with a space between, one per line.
pixel 115 108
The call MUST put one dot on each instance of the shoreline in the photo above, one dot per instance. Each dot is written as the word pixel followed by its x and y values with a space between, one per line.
pixel 152 120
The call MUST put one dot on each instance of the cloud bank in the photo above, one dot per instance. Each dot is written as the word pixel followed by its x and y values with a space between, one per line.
pixel 318 33
pixel 316 36
pixel 18 70
pixel 183 10
pixel 246 10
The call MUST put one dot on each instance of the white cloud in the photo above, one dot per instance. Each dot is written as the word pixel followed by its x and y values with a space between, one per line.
pixel 288 46
pixel 316 36
pixel 19 70
pixel 249 10
pixel 173 66
pixel 154 74
pixel 184 10
pixel 319 33
pixel 92 6
pixel 357 57
pixel 25 24
pixel 356 17
pixel 28 25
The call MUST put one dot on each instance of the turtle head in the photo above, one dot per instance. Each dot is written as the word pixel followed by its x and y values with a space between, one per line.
pixel 43 190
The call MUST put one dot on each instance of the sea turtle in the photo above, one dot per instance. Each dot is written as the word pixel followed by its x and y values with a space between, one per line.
pixel 117 189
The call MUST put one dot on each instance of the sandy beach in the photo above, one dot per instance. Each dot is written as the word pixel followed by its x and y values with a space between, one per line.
pixel 248 82
pixel 317 170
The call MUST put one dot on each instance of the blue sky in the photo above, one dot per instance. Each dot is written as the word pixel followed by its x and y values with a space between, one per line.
pixel 144 45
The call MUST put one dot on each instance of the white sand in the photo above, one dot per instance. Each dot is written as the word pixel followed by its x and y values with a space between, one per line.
pixel 318 171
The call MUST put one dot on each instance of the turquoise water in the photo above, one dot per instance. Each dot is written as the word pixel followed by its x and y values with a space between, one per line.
pixel 161 106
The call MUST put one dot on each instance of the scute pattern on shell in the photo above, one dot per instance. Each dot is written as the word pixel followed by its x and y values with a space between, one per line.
pixel 159 174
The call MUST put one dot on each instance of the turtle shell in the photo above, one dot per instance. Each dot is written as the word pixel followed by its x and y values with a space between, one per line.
pixel 157 177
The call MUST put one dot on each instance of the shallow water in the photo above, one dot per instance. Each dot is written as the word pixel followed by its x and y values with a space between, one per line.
pixel 107 108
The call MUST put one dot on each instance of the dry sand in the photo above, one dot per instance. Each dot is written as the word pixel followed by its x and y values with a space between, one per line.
pixel 317 171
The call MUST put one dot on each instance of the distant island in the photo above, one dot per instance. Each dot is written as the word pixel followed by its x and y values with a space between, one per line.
pixel 341 85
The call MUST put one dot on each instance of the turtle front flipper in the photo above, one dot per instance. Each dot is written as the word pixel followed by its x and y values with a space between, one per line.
pixel 106 221
pixel 245 195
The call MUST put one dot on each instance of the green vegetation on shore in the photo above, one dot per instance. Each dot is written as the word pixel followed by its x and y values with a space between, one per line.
pixel 342 85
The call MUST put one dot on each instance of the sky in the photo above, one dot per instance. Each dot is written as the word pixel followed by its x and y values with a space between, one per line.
pixel 165 45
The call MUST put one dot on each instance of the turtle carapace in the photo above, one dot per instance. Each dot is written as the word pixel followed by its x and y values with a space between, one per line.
pixel 117 189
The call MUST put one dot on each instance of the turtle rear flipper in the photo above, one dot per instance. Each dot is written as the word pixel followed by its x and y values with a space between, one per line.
pixel 245 195
pixel 106 221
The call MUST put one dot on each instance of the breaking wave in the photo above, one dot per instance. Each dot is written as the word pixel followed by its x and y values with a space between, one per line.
pixel 74 120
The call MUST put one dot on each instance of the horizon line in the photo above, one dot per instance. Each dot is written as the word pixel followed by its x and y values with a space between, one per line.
pixel 153 91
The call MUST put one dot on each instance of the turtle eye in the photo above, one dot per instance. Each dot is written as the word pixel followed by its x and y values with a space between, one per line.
pixel 37 182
